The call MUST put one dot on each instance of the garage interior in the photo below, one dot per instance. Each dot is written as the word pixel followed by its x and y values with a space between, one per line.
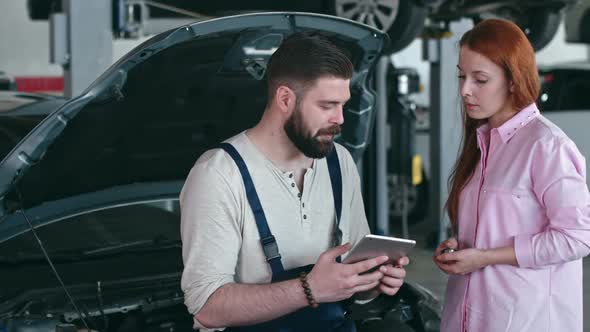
pixel 60 47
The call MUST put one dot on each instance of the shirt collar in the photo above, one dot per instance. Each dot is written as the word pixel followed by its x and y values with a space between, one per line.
pixel 483 129
pixel 513 125
pixel 518 121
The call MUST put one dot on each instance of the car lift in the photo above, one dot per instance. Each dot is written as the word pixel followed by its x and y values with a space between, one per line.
pixel 440 49
pixel 81 42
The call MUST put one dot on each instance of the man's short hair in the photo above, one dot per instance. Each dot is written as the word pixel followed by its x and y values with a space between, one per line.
pixel 304 57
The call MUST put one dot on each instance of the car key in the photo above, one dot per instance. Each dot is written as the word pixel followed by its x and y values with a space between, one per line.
pixel 447 251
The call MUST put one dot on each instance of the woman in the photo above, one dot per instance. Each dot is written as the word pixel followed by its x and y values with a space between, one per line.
pixel 518 201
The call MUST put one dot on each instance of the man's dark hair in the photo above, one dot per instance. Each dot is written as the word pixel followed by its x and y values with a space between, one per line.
pixel 301 59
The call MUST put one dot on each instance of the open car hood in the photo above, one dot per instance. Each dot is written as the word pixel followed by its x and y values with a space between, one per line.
pixel 150 115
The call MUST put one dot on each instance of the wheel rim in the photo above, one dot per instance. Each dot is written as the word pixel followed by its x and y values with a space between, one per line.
pixel 377 13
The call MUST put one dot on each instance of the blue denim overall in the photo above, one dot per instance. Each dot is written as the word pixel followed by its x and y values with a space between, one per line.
pixel 328 316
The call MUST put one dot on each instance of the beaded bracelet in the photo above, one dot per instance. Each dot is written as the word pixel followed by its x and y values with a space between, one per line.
pixel 312 302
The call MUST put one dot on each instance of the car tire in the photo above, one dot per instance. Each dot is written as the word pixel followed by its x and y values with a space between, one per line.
pixel 402 26
pixel 540 24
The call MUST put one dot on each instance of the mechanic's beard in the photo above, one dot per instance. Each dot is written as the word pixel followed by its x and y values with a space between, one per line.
pixel 309 145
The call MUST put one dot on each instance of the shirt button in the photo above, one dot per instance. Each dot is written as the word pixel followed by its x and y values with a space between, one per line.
pixel 291 175
pixel 304 216
pixel 292 184
pixel 299 195
pixel 302 204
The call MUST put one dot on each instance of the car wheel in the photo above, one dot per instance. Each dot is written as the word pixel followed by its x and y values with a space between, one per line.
pixel 416 199
pixel 402 20
pixel 540 24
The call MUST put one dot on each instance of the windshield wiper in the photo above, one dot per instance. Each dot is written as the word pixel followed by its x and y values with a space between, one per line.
pixel 134 247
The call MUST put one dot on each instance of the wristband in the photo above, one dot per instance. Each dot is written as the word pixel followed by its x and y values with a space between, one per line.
pixel 312 302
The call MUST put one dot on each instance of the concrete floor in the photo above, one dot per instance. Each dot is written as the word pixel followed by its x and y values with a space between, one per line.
pixel 423 271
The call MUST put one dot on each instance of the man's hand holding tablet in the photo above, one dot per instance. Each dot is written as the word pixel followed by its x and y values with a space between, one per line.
pixel 372 246
pixel 395 249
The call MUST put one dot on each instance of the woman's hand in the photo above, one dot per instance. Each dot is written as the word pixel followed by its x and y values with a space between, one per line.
pixel 465 261
pixel 449 243
pixel 461 262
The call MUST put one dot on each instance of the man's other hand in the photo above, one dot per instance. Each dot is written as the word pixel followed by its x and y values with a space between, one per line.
pixel 393 276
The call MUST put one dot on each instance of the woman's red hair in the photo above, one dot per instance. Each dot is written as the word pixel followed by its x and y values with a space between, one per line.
pixel 505 44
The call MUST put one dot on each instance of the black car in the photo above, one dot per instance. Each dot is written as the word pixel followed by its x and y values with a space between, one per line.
pixel 89 213
pixel 565 86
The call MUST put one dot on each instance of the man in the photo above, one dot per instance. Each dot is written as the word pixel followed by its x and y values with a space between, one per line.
pixel 273 183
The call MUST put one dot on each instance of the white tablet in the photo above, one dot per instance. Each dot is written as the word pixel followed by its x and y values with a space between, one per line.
pixel 372 246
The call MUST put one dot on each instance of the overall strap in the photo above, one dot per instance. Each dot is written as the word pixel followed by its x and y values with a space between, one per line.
pixel 269 243
pixel 336 181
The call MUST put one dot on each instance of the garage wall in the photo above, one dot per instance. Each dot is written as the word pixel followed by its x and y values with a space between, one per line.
pixel 24 44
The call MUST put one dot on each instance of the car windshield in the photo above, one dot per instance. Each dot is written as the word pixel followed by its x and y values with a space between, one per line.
pixel 112 230
pixel 140 240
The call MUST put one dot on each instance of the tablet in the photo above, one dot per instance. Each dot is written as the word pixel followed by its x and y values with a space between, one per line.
pixel 372 246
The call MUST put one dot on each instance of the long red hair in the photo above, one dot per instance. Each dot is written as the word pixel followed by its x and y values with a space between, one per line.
pixel 505 44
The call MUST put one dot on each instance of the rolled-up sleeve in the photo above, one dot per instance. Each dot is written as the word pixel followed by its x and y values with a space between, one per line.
pixel 210 232
pixel 559 182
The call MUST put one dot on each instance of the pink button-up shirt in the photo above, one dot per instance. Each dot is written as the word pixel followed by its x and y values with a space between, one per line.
pixel 528 191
